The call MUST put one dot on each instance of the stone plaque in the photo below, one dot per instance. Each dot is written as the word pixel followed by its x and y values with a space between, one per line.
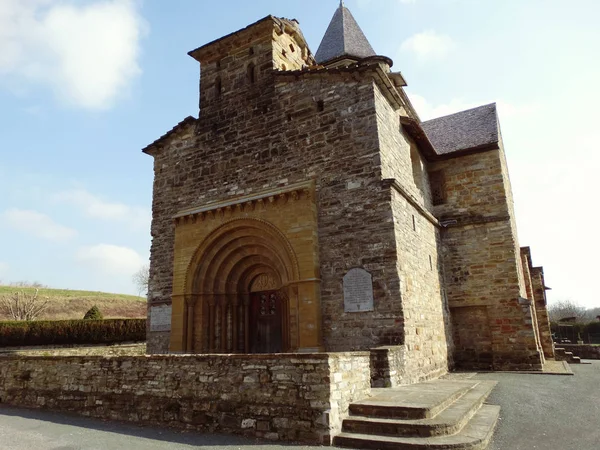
pixel 160 318
pixel 358 291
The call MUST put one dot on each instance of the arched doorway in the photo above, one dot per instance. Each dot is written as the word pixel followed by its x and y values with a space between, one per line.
pixel 240 292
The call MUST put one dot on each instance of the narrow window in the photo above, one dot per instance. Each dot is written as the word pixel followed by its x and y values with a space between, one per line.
pixel 218 87
pixel 430 263
pixel 283 67
pixel 251 73
pixel 320 105
pixel 292 48
pixel 283 53
pixel 251 51
pixel 414 223
pixel 437 180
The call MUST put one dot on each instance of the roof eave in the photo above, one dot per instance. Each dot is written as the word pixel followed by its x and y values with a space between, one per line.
pixel 151 149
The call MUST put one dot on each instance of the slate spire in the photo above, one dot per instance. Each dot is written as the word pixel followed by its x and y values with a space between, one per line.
pixel 343 38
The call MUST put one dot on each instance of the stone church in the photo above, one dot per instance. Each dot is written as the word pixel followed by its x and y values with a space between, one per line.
pixel 308 208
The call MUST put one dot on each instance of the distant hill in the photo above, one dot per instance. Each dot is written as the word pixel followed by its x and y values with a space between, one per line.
pixel 67 304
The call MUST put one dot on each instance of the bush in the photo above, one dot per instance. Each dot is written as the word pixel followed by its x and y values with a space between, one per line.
pixel 61 332
pixel 93 314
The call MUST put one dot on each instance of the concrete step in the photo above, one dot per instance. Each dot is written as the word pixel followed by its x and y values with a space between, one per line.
pixel 417 401
pixel 449 421
pixel 575 360
pixel 474 436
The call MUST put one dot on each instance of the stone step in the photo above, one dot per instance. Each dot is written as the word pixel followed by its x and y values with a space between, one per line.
pixel 449 421
pixel 575 360
pixel 417 401
pixel 475 435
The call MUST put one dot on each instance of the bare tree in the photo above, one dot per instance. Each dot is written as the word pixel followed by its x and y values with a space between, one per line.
pixel 23 306
pixel 141 279
pixel 563 309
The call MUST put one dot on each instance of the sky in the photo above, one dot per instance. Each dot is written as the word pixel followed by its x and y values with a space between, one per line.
pixel 86 84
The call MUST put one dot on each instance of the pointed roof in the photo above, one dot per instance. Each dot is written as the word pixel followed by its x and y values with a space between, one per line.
pixel 343 38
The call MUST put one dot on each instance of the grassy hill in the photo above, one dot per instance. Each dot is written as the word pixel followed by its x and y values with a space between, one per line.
pixel 66 304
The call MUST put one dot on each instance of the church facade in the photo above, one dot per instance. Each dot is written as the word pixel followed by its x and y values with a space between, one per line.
pixel 309 209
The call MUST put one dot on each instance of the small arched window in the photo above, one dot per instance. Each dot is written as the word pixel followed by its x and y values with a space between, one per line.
pixel 251 73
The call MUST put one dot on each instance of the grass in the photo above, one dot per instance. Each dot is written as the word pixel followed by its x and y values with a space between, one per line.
pixel 66 304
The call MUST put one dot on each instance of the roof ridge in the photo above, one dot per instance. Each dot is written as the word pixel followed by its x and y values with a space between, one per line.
pixel 462 111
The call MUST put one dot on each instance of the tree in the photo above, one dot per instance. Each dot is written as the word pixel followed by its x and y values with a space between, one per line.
pixel 563 309
pixel 93 314
pixel 141 279
pixel 23 306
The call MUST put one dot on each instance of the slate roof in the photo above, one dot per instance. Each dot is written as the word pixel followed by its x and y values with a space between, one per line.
pixel 185 122
pixel 466 130
pixel 343 38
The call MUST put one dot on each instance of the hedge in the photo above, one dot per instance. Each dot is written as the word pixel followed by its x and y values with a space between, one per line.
pixel 61 332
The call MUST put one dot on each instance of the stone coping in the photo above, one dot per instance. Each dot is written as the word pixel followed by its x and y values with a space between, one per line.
pixel 236 356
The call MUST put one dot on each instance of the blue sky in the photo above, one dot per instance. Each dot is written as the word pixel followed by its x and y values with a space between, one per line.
pixel 85 84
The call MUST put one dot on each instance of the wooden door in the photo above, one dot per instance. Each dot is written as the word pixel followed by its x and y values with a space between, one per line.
pixel 266 322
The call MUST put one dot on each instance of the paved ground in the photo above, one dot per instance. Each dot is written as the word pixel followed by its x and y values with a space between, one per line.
pixel 41 430
pixel 547 412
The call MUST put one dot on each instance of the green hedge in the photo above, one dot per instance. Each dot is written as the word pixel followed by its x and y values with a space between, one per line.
pixel 61 332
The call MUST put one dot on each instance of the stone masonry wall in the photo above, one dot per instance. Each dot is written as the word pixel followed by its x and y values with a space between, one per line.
pixel 525 264
pixel 539 296
pixel 582 350
pixel 274 135
pixel 425 313
pixel 481 258
pixel 288 398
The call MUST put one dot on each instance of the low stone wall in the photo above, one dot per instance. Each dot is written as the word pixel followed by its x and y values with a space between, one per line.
pixel 584 351
pixel 79 350
pixel 291 397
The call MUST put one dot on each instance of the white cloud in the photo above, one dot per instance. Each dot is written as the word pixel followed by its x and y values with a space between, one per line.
pixel 37 224
pixel 428 111
pixel 88 54
pixel 95 207
pixel 111 259
pixel 428 45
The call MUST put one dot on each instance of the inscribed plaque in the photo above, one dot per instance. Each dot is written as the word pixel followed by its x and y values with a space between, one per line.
pixel 160 318
pixel 358 291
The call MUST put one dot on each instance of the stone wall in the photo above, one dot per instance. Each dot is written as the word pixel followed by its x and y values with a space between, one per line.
pixel 279 138
pixel 425 313
pixel 584 351
pixel 288 398
pixel 78 350
pixel 482 264
pixel 539 295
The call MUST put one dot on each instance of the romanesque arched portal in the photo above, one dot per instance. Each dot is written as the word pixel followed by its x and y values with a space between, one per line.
pixel 240 291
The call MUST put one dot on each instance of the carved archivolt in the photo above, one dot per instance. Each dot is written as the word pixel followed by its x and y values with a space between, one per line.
pixel 232 257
